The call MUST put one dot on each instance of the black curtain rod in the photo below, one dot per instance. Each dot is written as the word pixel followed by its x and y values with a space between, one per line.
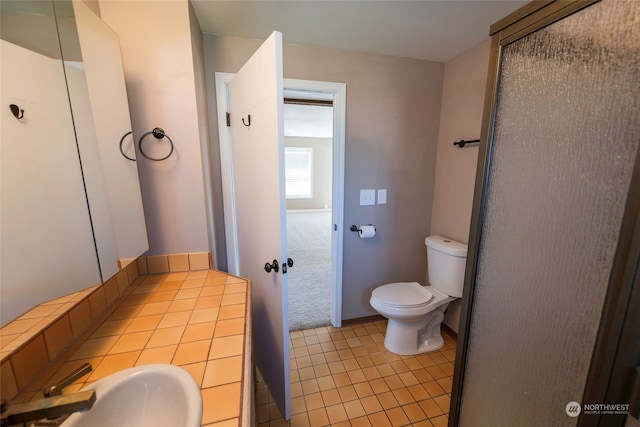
pixel 308 102
pixel 462 142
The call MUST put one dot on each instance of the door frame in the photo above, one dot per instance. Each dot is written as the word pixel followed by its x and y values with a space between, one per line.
pixel 339 92
pixel 613 343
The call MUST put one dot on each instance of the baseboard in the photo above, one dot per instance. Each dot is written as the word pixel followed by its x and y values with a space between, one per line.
pixel 358 320
pixel 307 210
pixel 449 331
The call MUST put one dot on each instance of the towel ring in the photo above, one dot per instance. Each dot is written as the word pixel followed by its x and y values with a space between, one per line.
pixel 122 149
pixel 158 133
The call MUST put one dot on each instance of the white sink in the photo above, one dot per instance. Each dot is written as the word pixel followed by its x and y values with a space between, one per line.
pixel 144 396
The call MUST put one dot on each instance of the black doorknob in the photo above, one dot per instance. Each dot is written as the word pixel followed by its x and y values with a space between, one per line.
pixel 273 266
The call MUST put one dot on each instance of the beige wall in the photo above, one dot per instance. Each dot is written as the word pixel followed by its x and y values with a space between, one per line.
pixel 460 118
pixel 322 162
pixel 393 113
pixel 158 58
pixel 93 5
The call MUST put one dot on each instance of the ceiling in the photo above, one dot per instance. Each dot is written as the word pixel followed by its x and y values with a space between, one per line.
pixel 421 29
pixel 308 121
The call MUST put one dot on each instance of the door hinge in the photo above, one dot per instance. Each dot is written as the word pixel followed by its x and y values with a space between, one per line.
pixel 228 119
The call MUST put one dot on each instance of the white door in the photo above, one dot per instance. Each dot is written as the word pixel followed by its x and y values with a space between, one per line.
pixel 257 145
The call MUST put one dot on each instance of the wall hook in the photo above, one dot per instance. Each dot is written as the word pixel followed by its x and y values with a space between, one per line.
pixel 17 112
pixel 248 120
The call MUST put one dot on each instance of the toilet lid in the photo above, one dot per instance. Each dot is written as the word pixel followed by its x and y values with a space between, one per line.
pixel 406 294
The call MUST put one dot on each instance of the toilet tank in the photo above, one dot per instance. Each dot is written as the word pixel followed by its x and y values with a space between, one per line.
pixel 446 264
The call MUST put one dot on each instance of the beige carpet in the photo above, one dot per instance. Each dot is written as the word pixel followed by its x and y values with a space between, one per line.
pixel 309 245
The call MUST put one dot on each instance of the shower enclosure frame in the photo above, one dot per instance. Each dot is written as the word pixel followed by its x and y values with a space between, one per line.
pixel 616 344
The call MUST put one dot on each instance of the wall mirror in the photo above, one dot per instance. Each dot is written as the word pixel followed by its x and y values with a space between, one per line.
pixel 71 209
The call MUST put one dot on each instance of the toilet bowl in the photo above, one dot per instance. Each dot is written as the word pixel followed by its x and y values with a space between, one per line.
pixel 415 312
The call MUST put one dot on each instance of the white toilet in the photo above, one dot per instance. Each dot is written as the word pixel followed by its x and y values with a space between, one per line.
pixel 415 312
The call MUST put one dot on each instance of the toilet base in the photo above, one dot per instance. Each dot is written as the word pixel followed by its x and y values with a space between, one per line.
pixel 415 337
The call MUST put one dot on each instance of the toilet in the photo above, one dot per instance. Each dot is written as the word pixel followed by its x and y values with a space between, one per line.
pixel 415 312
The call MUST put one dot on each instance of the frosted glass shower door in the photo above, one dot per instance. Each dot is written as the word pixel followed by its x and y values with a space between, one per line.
pixel 566 130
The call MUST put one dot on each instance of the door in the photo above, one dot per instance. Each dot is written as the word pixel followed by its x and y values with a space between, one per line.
pixel 339 93
pixel 554 211
pixel 257 145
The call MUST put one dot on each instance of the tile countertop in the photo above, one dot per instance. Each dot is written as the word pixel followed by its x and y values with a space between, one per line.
pixel 199 320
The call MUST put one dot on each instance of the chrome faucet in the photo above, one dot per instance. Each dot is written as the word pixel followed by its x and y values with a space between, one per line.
pixel 54 409
pixel 56 389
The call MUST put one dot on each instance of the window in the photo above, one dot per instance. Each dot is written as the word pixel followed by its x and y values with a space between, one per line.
pixel 298 169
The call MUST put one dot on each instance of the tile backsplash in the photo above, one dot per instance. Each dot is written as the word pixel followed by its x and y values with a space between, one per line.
pixel 174 263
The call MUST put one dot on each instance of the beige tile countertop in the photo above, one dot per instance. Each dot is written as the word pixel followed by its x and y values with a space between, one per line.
pixel 198 320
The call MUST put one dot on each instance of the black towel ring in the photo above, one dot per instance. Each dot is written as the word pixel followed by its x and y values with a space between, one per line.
pixel 158 133
pixel 122 150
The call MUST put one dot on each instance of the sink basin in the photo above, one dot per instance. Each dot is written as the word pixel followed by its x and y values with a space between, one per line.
pixel 148 395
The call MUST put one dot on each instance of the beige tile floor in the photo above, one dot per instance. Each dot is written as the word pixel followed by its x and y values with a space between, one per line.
pixel 345 377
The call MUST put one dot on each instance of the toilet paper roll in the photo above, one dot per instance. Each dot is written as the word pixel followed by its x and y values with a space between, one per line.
pixel 366 231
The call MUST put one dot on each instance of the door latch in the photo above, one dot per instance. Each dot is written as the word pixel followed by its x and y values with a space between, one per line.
pixel 289 264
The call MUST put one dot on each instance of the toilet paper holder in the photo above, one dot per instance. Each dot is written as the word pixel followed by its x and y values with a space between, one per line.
pixel 356 229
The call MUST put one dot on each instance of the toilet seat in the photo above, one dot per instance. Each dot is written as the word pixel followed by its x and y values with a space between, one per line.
pixel 403 294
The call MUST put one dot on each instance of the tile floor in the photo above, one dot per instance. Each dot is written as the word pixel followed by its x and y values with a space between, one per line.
pixel 345 377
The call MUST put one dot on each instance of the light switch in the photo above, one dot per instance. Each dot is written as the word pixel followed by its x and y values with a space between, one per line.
pixel 382 196
pixel 367 197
